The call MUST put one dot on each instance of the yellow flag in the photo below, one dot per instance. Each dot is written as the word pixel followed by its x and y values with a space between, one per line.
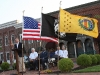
pixel 70 23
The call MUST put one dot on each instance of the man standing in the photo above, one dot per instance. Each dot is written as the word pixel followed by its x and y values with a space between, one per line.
pixel 18 46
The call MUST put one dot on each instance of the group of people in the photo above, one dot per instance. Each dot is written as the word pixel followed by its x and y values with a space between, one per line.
pixel 34 59
pixel 44 56
pixel 34 56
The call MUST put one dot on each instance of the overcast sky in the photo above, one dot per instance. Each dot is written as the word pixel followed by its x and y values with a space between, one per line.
pixel 12 9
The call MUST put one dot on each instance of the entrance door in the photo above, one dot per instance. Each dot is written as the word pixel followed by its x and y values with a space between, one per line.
pixel 71 51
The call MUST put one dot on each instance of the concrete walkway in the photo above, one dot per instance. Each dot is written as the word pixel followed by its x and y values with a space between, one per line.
pixel 53 69
pixel 36 73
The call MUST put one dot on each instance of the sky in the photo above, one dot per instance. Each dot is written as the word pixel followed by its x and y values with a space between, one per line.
pixel 13 9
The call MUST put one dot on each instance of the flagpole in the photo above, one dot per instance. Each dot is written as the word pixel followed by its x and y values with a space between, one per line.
pixel 22 43
pixel 40 38
pixel 59 32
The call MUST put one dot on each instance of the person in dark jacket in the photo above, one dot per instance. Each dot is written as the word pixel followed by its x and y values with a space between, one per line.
pixel 18 46
pixel 43 58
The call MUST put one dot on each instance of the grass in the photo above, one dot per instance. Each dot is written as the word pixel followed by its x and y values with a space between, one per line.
pixel 89 69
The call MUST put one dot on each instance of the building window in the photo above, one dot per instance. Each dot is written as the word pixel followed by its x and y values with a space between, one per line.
pixel 0 42
pixel 7 56
pixel 38 41
pixel 20 35
pixel 1 56
pixel 30 41
pixel 12 38
pixel 6 40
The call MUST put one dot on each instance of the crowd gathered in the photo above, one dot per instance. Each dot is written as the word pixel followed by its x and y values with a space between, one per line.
pixel 35 59
pixel 44 55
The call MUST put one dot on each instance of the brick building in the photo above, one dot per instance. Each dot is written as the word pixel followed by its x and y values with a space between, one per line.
pixel 83 44
pixel 91 9
pixel 8 32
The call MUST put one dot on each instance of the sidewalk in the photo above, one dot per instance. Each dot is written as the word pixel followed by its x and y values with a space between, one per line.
pixel 53 68
pixel 36 73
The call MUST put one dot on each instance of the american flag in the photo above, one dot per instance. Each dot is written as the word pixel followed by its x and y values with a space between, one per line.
pixel 32 30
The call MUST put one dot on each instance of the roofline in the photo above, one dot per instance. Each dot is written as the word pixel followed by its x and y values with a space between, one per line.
pixel 77 7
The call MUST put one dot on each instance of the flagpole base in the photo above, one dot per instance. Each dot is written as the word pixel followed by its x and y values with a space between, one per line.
pixel 39 72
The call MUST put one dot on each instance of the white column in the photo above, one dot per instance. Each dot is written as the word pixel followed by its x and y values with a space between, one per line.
pixel 75 49
pixel 93 48
pixel 84 47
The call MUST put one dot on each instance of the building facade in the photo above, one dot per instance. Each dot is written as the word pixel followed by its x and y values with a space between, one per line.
pixel 83 44
pixel 8 32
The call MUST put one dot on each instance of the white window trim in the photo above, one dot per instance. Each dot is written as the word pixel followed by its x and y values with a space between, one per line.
pixel 20 35
pixel 29 41
pixel 11 37
pixel 0 55
pixel 32 41
pixel 6 55
pixel 1 42
pixel 5 40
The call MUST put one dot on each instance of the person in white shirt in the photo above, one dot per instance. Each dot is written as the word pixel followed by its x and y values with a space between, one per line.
pixel 33 59
pixel 59 52
pixel 65 52
pixel 58 55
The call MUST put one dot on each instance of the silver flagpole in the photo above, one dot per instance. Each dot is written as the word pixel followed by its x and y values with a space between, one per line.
pixel 58 33
pixel 22 44
pixel 40 38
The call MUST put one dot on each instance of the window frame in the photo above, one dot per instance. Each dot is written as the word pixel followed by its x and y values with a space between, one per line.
pixel 13 41
pixel 1 42
pixel 20 37
pixel 1 53
pixel 7 56
pixel 6 44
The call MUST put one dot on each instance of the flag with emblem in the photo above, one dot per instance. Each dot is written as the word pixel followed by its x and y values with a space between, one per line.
pixel 71 23
pixel 50 29
pixel 32 30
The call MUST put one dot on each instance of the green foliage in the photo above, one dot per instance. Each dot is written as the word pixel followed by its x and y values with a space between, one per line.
pixel 94 59
pixel 14 65
pixel 84 60
pixel 5 66
pixel 65 64
pixel 88 69
pixel 98 58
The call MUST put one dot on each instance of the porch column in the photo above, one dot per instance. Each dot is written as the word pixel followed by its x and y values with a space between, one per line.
pixel 84 47
pixel 75 49
pixel 94 48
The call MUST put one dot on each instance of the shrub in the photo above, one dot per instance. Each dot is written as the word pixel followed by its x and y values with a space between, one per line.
pixel 84 60
pixel 5 66
pixel 94 59
pixel 98 58
pixel 14 65
pixel 65 64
